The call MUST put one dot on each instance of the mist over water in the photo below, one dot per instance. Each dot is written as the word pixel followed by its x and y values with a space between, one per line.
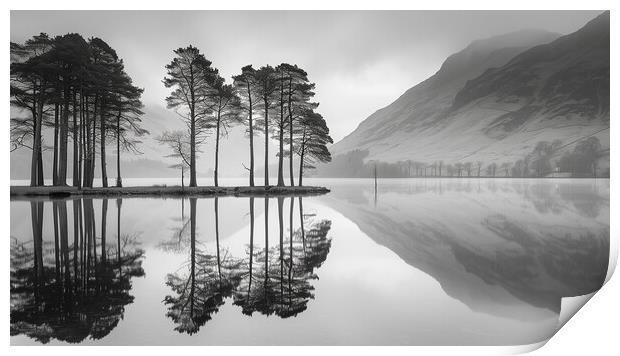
pixel 410 261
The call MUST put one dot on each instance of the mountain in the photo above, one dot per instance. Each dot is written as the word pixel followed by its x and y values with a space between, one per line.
pixel 496 99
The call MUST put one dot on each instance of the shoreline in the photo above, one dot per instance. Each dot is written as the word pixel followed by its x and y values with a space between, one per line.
pixel 163 191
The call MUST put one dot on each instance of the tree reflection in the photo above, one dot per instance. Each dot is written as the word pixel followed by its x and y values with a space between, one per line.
pixel 273 280
pixel 203 289
pixel 180 239
pixel 74 283
pixel 283 286
pixel 69 291
pixel 260 295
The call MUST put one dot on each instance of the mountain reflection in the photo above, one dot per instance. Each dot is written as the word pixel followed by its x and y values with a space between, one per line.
pixel 73 287
pixel 272 280
pixel 491 243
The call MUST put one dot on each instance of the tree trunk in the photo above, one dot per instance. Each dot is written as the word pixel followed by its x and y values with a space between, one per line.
pixel 251 122
pixel 119 180
pixel 290 130
pixel 281 157
pixel 82 138
pixel 192 139
pixel 301 166
pixel 64 139
pixel 217 148
pixel 192 155
pixel 40 178
pixel 33 156
pixel 86 141
pixel 89 162
pixel 104 173
pixel 266 144
pixel 37 162
pixel 281 137
pixel 94 143
pixel 55 163
pixel 301 157
pixel 76 146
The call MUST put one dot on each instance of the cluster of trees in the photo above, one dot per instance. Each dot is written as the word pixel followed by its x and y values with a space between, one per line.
pixel 582 161
pixel 272 280
pixel 543 160
pixel 540 162
pixel 273 101
pixel 76 286
pixel 78 89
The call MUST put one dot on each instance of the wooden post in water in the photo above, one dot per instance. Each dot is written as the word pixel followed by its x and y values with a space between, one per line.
pixel 375 177
pixel 375 184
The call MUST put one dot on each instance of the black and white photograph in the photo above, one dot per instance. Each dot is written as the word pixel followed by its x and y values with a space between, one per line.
pixel 306 177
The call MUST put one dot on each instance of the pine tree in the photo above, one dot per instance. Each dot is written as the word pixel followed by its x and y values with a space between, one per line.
pixel 312 135
pixel 245 85
pixel 266 81
pixel 190 75
pixel 226 112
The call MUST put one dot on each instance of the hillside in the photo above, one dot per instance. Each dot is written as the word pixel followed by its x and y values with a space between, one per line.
pixel 496 99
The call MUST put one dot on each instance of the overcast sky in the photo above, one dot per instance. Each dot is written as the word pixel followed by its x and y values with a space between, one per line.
pixel 360 60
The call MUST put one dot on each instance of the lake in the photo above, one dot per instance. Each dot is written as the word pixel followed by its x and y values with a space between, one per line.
pixel 412 262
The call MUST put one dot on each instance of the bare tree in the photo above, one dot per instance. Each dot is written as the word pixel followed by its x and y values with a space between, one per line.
pixel 180 144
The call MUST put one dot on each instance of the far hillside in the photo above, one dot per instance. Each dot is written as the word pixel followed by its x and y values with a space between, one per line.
pixel 525 104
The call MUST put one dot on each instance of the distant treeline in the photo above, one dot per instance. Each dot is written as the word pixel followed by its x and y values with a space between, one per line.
pixel 544 160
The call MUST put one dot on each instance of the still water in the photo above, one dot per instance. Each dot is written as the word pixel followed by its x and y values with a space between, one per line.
pixel 414 262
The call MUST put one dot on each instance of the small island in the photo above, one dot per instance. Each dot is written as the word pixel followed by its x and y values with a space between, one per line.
pixel 27 192
pixel 76 93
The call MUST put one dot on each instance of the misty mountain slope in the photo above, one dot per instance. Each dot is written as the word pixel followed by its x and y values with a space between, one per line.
pixel 496 99
pixel 555 91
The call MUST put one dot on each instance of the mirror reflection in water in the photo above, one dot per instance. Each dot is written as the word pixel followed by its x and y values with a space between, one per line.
pixel 360 265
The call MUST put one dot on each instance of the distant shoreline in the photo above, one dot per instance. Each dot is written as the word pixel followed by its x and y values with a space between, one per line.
pixel 162 191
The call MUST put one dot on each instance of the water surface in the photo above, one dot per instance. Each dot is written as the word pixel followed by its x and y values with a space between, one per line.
pixel 412 262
